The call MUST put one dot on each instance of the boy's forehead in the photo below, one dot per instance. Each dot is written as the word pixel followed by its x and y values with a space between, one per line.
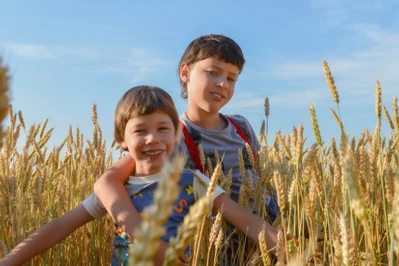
pixel 220 64
pixel 161 117
pixel 144 115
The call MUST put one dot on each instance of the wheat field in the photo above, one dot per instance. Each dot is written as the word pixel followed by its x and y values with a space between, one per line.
pixel 339 199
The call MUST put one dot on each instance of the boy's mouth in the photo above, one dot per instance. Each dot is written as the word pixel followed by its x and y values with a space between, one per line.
pixel 217 95
pixel 153 153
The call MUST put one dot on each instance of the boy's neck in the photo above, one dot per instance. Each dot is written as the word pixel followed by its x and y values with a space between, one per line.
pixel 145 173
pixel 207 120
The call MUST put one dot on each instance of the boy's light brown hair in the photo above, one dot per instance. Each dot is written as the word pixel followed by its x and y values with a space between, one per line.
pixel 211 45
pixel 142 100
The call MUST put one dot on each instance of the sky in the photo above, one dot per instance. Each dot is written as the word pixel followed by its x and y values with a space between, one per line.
pixel 65 56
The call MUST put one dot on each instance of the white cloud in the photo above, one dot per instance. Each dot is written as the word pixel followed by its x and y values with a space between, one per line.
pixel 29 50
pixel 37 51
pixel 296 70
pixel 371 53
pixel 288 99
pixel 356 71
pixel 298 99
pixel 140 64
pixel 346 10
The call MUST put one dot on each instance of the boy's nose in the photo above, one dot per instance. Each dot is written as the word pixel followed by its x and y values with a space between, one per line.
pixel 151 138
pixel 222 81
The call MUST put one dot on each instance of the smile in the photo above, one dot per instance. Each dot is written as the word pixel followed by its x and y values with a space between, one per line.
pixel 217 95
pixel 153 153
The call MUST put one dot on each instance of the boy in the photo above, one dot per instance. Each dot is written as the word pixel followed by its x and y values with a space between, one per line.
pixel 146 124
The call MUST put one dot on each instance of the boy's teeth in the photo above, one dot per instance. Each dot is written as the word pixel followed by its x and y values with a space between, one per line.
pixel 217 95
pixel 153 152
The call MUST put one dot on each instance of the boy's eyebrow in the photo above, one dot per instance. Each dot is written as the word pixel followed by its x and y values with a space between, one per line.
pixel 219 68
pixel 159 123
pixel 166 122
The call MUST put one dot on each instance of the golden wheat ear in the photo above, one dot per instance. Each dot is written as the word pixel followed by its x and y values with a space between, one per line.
pixel 154 217
pixel 4 97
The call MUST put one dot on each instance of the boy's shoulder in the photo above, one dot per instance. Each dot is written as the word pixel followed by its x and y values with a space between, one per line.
pixel 237 117
pixel 187 176
pixel 187 172
pixel 240 120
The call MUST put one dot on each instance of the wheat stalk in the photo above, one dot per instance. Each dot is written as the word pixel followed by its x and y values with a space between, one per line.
pixel 3 247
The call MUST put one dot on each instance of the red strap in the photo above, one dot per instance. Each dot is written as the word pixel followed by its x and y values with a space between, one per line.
pixel 242 134
pixel 193 150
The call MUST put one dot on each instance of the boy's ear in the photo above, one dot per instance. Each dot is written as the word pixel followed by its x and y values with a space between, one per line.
pixel 123 144
pixel 184 71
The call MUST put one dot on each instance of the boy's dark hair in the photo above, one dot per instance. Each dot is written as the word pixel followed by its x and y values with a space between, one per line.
pixel 212 45
pixel 142 100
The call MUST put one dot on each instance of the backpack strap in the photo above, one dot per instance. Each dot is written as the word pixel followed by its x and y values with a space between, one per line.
pixel 192 149
pixel 242 134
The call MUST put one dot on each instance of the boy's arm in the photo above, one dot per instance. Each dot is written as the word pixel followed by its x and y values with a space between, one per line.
pixel 245 221
pixel 47 236
pixel 110 189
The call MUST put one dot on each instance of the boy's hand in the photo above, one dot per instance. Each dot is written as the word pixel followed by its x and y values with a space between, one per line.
pixel 160 256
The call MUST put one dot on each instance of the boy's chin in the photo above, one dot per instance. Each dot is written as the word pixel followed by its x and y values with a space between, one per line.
pixel 215 108
pixel 155 167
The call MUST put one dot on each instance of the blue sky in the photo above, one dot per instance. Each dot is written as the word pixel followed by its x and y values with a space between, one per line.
pixel 64 56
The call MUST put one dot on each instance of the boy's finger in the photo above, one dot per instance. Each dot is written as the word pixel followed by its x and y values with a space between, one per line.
pixel 183 259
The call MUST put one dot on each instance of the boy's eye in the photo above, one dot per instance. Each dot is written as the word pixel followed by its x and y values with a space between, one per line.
pixel 212 72
pixel 231 79
pixel 138 131
pixel 163 128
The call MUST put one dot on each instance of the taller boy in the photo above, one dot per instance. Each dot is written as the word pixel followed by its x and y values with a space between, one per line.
pixel 208 70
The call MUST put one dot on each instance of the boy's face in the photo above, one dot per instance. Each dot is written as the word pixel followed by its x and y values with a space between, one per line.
pixel 150 140
pixel 210 83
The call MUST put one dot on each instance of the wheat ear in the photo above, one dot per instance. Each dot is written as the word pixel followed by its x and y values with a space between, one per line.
pixel 331 83
pixel 395 213
pixel 263 247
pixel 347 246
pixel 147 236
pixel 4 96
pixel 186 231
pixel 388 117
pixel 315 126
pixel 395 112
pixel 378 102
